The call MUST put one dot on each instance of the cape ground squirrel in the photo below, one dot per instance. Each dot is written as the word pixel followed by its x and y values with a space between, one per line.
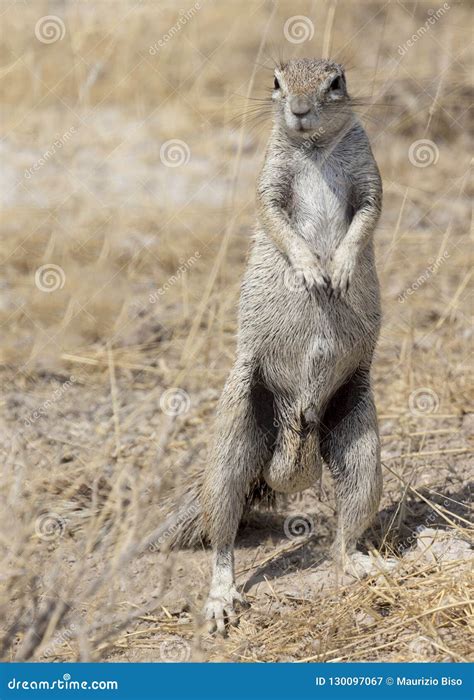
pixel 299 392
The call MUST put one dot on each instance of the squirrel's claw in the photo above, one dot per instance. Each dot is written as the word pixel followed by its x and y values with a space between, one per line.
pixel 220 610
pixel 343 272
pixel 313 277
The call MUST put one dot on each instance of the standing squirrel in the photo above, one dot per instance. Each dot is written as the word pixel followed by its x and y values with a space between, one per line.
pixel 300 392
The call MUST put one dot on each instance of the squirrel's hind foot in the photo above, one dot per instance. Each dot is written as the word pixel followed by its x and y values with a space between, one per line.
pixel 222 607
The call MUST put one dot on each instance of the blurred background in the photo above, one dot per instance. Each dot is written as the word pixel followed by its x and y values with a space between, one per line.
pixel 131 137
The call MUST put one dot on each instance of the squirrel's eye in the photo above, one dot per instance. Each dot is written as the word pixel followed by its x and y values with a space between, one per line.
pixel 336 84
pixel 276 84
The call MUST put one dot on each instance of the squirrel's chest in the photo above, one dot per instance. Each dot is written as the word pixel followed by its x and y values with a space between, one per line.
pixel 320 205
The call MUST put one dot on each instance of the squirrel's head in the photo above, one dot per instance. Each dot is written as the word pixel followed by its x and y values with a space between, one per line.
pixel 310 97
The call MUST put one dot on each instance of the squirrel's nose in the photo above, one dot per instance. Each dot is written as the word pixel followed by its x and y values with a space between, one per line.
pixel 300 106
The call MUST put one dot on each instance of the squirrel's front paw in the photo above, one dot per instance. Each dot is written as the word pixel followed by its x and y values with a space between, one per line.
pixel 314 277
pixel 343 268
pixel 220 608
pixel 305 273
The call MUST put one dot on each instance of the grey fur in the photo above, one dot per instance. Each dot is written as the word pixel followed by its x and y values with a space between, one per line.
pixel 299 392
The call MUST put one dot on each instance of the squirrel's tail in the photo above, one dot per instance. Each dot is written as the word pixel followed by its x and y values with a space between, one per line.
pixel 184 526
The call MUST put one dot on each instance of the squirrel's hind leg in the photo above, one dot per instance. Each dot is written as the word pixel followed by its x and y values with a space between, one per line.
pixel 242 444
pixel 350 445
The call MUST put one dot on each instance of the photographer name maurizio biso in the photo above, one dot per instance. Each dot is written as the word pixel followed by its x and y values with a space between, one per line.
pixel 444 680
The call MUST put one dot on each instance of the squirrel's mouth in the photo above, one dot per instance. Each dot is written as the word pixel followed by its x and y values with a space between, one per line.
pixel 300 126
pixel 303 125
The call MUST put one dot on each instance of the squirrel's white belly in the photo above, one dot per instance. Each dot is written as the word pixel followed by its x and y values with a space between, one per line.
pixel 320 209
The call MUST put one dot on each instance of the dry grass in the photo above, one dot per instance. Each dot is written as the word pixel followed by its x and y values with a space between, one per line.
pixel 87 450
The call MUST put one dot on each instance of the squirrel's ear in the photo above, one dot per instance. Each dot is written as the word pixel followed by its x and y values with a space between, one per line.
pixel 338 83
